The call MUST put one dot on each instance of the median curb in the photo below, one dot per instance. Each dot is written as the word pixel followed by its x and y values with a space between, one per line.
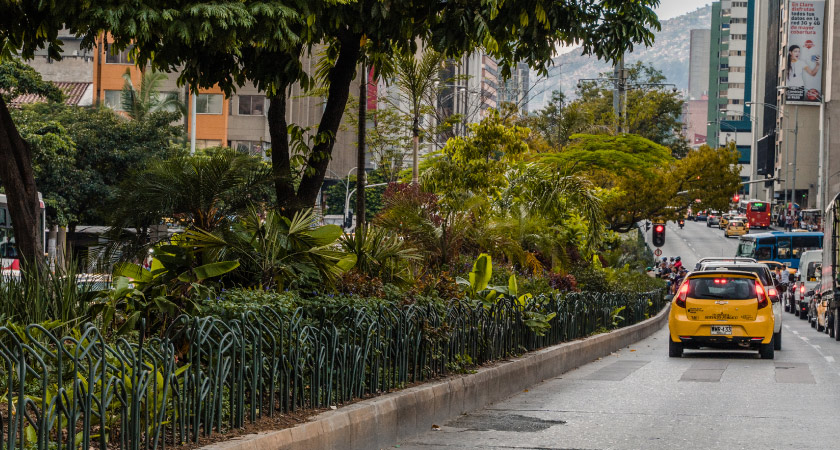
pixel 383 421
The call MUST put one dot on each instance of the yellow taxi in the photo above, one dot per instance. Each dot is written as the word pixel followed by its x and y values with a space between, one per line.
pixel 721 309
pixel 724 220
pixel 736 228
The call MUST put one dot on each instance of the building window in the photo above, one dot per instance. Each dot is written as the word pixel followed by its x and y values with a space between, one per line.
pixel 208 104
pixel 739 4
pixel 207 143
pixel 734 101
pixel 724 66
pixel 122 57
pixel 737 53
pixel 251 105
pixel 723 80
pixel 253 148
pixel 738 20
pixel 738 37
pixel 164 96
pixel 113 100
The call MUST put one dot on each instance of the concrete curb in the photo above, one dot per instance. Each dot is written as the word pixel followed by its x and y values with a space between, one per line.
pixel 385 420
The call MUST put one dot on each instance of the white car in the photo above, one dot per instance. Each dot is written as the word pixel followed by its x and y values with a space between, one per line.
pixel 766 277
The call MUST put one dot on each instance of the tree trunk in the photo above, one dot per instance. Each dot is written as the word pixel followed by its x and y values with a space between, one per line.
pixel 18 178
pixel 280 155
pixel 340 77
pixel 415 158
pixel 360 153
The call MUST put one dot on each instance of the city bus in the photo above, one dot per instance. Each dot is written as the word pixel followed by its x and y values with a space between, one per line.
pixel 758 214
pixel 780 246
pixel 9 259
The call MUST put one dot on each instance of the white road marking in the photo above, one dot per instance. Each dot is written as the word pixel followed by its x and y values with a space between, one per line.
pixel 804 338
pixel 816 347
pixel 787 326
pixel 829 358
pixel 795 332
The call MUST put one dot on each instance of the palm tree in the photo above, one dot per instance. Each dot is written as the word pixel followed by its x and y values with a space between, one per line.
pixel 138 103
pixel 203 190
pixel 415 79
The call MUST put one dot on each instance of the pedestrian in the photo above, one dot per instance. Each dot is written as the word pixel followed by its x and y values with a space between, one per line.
pixel 789 222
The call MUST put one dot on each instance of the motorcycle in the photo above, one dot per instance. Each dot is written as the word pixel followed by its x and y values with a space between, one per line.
pixel 682 223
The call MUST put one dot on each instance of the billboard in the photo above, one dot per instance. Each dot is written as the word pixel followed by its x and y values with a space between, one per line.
pixel 804 52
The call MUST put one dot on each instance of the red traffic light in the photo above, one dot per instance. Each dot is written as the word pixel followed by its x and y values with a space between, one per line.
pixel 659 228
pixel 736 197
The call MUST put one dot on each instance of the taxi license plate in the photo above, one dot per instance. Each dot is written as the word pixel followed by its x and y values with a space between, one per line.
pixel 722 329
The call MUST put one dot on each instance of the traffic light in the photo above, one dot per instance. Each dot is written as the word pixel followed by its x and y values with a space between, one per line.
pixel 659 234
pixel 647 226
pixel 736 198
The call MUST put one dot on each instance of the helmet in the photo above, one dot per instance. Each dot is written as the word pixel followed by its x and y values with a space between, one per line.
pixel 672 258
pixel 678 258
pixel 664 258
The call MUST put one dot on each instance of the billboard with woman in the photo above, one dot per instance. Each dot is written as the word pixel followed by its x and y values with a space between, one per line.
pixel 803 56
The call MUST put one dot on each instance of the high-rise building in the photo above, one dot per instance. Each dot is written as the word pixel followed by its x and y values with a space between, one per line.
pixel 730 79
pixel 799 119
pixel 695 109
pixel 765 62
pixel 698 64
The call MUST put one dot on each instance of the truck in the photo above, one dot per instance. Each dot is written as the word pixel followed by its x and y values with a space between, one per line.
pixel 829 287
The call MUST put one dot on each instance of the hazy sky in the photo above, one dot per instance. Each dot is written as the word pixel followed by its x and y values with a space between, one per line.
pixel 673 8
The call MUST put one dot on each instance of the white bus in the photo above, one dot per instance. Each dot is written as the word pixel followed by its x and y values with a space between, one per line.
pixel 9 259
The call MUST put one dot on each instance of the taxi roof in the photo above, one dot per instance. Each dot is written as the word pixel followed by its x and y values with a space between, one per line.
pixel 723 273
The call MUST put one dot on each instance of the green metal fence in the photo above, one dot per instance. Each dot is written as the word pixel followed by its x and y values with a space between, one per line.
pixel 207 375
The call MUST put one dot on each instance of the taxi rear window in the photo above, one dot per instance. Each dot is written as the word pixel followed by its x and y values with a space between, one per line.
pixel 722 288
pixel 758 270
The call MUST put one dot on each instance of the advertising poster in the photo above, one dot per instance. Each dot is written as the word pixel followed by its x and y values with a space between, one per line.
pixel 804 53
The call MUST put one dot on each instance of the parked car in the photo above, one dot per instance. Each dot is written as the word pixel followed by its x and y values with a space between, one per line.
pixel 769 284
pixel 721 309
pixel 805 281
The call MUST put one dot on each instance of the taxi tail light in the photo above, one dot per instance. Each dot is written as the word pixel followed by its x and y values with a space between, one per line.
pixel 772 292
pixel 762 296
pixel 682 296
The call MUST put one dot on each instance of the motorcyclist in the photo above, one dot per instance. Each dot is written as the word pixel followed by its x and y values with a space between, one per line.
pixel 681 222
pixel 678 263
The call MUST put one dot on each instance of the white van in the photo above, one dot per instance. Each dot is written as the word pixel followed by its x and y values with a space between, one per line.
pixel 807 279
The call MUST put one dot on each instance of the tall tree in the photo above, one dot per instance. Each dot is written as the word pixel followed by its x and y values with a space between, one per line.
pixel 415 78
pixel 16 169
pixel 146 98
pixel 216 43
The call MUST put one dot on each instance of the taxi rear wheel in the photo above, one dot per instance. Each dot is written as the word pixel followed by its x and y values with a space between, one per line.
pixel 777 340
pixel 766 350
pixel 675 349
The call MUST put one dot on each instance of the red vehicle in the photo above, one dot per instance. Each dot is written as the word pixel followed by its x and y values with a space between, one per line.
pixel 758 214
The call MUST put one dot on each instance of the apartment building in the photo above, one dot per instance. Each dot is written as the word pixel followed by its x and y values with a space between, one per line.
pixel 730 79
pixel 238 121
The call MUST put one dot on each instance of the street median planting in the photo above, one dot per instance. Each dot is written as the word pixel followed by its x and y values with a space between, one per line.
pixel 206 375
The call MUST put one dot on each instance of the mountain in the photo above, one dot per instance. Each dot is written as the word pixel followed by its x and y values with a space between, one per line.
pixel 669 53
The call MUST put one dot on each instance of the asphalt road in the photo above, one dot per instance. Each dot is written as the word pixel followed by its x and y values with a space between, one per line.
pixel 639 398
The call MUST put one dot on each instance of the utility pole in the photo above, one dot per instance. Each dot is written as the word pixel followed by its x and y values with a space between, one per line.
pixel 795 139
pixel 360 155
pixel 618 94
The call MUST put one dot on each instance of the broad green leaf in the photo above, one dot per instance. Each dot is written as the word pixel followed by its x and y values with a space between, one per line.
pixel 325 235
pixel 513 287
pixel 215 269
pixel 481 272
